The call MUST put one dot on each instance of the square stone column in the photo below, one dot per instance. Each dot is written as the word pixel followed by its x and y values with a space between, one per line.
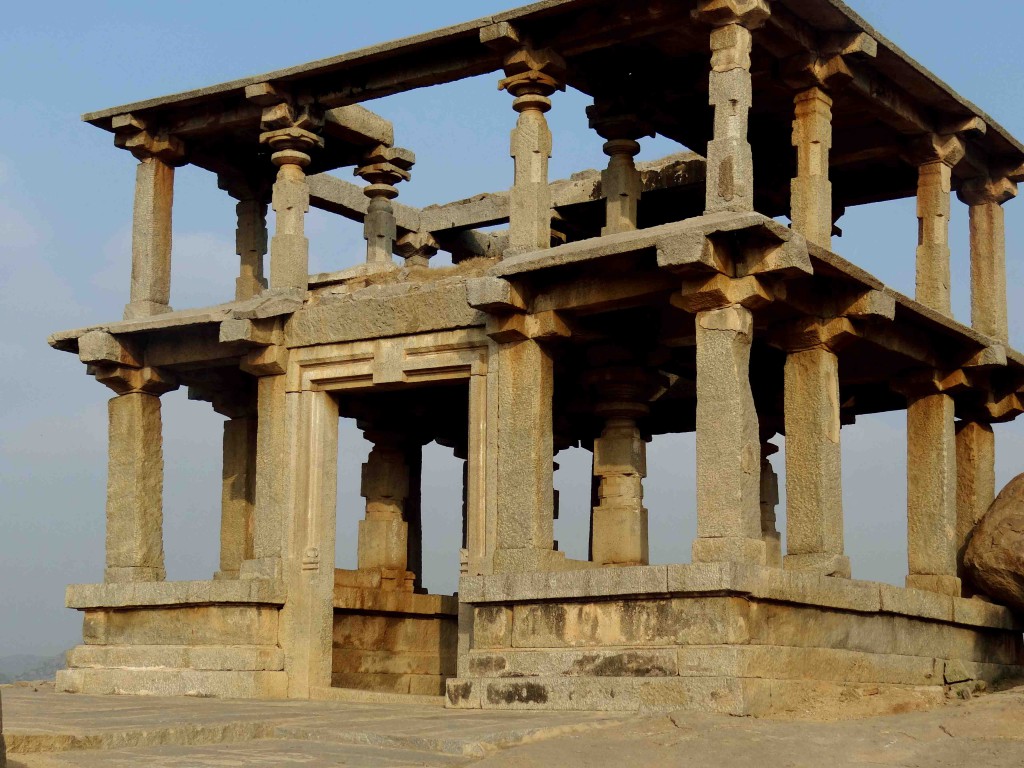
pixel 307 620
pixel 730 176
pixel 769 501
pixel 728 442
pixel 811 194
pixel 814 493
pixel 931 494
pixel 135 480
pixel 935 156
pixel 524 485
pixel 275 415
pixel 975 480
pixel 986 197
pixel 238 494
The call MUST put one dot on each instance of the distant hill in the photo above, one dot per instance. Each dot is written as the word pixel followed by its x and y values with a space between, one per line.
pixel 26 666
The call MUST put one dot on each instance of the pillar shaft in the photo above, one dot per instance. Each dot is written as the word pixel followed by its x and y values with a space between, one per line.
pixel 384 533
pixel 931 494
pixel 975 480
pixel 151 239
pixel 525 454
pixel 988 270
pixel 769 500
pixel 621 186
pixel 933 208
pixel 811 196
pixel 814 493
pixel 730 164
pixel 135 550
pixel 530 198
pixel 728 443
pixel 289 248
pixel 251 246
pixel 272 482
pixel 238 495
pixel 619 534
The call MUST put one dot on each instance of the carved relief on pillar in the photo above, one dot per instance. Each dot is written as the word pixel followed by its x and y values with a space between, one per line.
pixel 383 168
pixel 158 154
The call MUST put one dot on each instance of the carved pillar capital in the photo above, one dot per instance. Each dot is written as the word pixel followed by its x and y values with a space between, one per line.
pixel 125 380
pixel 720 13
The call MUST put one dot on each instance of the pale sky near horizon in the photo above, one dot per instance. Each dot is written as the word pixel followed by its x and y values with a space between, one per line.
pixel 65 217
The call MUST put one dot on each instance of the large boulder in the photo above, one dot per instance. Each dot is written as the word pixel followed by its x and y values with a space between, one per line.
pixel 994 559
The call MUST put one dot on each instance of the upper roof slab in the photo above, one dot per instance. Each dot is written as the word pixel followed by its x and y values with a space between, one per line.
pixel 661 54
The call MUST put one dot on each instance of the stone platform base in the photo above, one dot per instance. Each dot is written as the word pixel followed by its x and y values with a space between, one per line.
pixel 202 638
pixel 721 638
pixel 393 642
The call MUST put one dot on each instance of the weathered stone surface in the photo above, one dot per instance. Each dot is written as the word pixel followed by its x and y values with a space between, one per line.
pixel 200 657
pixel 203 625
pixel 994 559
pixel 174 682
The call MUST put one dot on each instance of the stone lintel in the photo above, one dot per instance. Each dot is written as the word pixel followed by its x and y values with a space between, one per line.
pixel 171 593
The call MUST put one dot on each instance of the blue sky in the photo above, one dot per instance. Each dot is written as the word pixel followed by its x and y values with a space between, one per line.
pixel 65 213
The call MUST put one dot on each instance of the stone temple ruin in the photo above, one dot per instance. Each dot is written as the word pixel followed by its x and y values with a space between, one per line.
pixel 646 299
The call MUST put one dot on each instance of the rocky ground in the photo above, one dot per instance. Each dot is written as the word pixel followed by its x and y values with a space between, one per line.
pixel 47 730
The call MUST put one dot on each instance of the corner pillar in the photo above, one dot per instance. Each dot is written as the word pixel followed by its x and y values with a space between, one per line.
pixel 135 550
pixel 811 192
pixel 158 153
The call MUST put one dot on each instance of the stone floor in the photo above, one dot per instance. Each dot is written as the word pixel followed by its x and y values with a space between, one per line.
pixel 45 730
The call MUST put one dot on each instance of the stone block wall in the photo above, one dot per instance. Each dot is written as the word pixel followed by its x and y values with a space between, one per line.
pixel 726 638
pixel 394 642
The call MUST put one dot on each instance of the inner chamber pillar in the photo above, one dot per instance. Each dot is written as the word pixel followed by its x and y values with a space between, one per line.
pixel 135 481
pixel 620 181
pixel 728 441
pixel 383 168
pixel 250 231
pixel 384 533
pixel 619 535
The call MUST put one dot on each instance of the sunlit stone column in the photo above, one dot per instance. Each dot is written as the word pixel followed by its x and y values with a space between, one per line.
pixel 383 168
